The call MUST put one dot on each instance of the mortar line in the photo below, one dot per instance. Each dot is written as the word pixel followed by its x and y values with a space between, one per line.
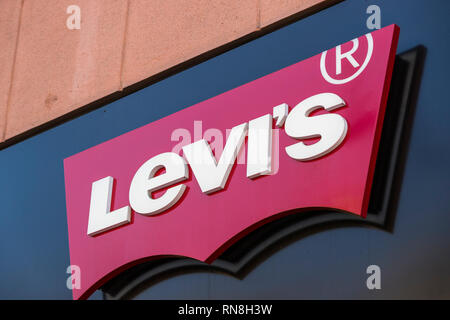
pixel 258 14
pixel 122 62
pixel 8 99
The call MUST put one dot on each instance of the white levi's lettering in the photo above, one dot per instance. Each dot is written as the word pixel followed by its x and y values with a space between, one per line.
pixel 211 174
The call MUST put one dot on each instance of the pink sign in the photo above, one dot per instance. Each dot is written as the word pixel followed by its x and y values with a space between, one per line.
pixel 333 168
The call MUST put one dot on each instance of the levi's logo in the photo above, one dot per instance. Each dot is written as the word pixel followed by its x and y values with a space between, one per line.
pixel 212 174
pixel 304 137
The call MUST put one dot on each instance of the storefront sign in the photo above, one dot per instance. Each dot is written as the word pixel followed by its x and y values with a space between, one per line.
pixel 308 136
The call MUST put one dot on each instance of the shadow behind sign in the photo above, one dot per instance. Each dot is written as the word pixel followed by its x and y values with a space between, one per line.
pixel 243 256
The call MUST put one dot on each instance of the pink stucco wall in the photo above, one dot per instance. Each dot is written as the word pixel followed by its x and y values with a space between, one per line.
pixel 48 70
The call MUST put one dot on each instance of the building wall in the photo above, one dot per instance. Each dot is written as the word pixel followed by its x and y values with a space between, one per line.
pixel 48 70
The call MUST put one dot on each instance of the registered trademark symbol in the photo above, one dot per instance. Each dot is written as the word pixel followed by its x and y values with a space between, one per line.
pixel 348 55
